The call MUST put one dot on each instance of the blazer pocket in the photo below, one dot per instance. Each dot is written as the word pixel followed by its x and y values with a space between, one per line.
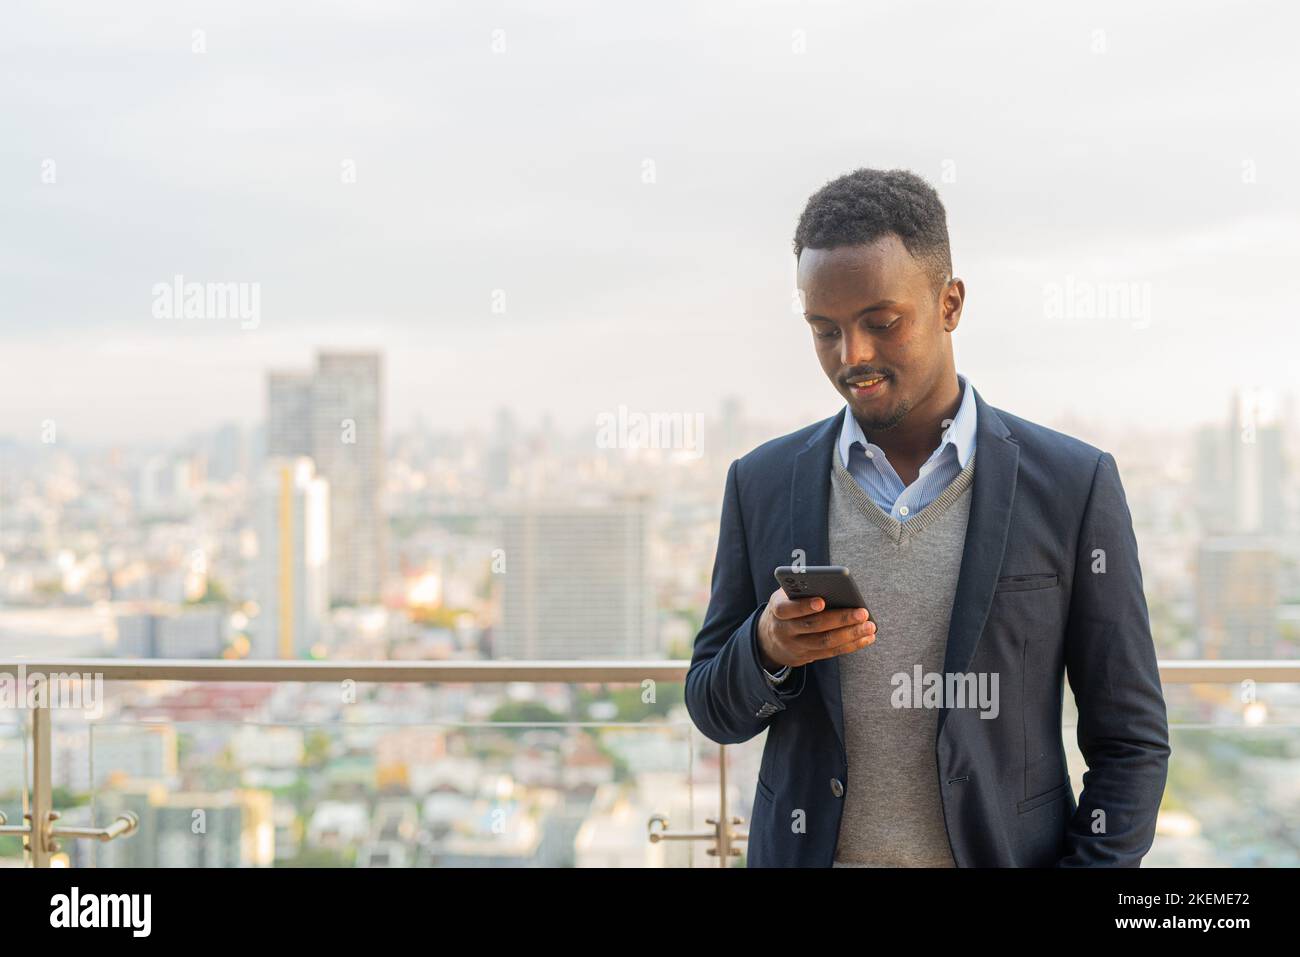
pixel 766 791
pixel 1047 797
pixel 1027 582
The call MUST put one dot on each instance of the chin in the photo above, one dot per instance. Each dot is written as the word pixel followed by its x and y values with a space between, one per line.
pixel 874 416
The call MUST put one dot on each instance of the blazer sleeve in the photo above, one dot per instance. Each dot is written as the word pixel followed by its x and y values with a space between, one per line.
pixel 1111 665
pixel 727 695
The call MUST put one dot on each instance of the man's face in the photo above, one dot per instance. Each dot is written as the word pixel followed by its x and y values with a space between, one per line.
pixel 879 326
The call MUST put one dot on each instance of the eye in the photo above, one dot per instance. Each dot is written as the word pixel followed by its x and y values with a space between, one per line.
pixel 830 333
pixel 889 325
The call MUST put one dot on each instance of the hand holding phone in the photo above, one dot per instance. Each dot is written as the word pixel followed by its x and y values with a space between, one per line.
pixel 816 613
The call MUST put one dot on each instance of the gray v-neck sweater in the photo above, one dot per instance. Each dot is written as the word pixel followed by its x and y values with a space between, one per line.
pixel 907 573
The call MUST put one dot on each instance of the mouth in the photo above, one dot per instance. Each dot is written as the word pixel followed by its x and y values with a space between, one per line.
pixel 866 385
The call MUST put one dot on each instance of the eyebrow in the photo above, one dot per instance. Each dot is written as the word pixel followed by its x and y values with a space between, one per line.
pixel 875 307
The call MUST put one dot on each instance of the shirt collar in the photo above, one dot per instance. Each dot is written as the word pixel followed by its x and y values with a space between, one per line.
pixel 960 435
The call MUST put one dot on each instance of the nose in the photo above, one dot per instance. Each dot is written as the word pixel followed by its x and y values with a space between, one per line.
pixel 856 347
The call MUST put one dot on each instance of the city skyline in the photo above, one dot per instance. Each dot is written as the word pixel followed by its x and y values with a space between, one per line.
pixel 1274 404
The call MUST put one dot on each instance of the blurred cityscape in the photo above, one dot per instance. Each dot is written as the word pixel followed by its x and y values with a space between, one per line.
pixel 319 533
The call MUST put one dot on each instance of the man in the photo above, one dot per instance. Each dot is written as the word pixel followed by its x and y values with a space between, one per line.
pixel 926 730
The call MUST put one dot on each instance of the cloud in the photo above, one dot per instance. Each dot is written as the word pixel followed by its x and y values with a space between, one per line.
pixel 524 173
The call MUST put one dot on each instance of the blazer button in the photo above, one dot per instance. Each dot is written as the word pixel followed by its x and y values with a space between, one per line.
pixel 837 788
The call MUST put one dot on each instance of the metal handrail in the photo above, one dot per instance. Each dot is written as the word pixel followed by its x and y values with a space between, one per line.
pixel 1172 671
pixel 1211 671
pixel 476 672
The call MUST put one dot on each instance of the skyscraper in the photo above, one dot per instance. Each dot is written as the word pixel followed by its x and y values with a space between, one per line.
pixel 1237 597
pixel 575 583
pixel 288 413
pixel 294 557
pixel 335 416
pixel 1241 472
pixel 501 452
pixel 227 453
pixel 1255 467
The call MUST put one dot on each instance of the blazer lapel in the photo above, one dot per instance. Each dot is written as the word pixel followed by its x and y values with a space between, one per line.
pixel 992 495
pixel 810 501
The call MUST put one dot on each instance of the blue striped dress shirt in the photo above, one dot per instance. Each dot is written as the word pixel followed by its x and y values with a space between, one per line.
pixel 870 468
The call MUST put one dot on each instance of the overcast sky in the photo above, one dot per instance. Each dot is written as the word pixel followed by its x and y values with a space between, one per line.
pixel 1142 147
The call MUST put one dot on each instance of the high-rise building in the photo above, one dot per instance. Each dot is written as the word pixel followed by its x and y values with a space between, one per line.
pixel 227 453
pixel 1255 467
pixel 1212 481
pixel 576 583
pixel 501 452
pixel 1237 597
pixel 288 414
pixel 1240 471
pixel 293 533
pixel 731 439
pixel 348 446
pixel 335 416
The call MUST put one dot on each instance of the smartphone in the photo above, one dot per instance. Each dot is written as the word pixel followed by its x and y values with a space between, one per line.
pixel 832 583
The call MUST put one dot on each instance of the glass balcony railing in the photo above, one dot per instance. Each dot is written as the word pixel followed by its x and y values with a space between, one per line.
pixel 367 794
pixel 545 764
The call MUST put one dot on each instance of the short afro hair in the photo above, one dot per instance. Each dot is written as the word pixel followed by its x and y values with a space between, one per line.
pixel 862 206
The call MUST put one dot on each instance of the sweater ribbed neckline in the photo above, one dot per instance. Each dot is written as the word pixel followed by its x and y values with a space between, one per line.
pixel 886 522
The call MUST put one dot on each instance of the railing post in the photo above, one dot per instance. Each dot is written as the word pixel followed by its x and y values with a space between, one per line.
pixel 724 823
pixel 42 797
pixel 721 834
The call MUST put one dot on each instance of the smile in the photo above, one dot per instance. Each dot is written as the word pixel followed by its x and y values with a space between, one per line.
pixel 868 386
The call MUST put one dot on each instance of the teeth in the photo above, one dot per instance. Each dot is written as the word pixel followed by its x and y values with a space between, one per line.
pixel 863 383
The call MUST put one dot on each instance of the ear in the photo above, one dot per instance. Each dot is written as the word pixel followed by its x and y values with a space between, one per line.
pixel 950 302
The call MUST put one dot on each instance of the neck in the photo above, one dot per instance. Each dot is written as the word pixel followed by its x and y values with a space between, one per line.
pixel 911 441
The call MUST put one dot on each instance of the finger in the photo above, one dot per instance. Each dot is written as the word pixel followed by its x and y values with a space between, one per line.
pixel 844 642
pixel 831 619
pixel 852 646
pixel 833 639
pixel 827 643
pixel 790 608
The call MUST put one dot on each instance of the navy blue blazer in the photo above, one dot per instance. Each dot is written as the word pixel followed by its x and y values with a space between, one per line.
pixel 1050 588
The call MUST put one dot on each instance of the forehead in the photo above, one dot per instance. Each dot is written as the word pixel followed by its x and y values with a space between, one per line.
pixel 847 278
